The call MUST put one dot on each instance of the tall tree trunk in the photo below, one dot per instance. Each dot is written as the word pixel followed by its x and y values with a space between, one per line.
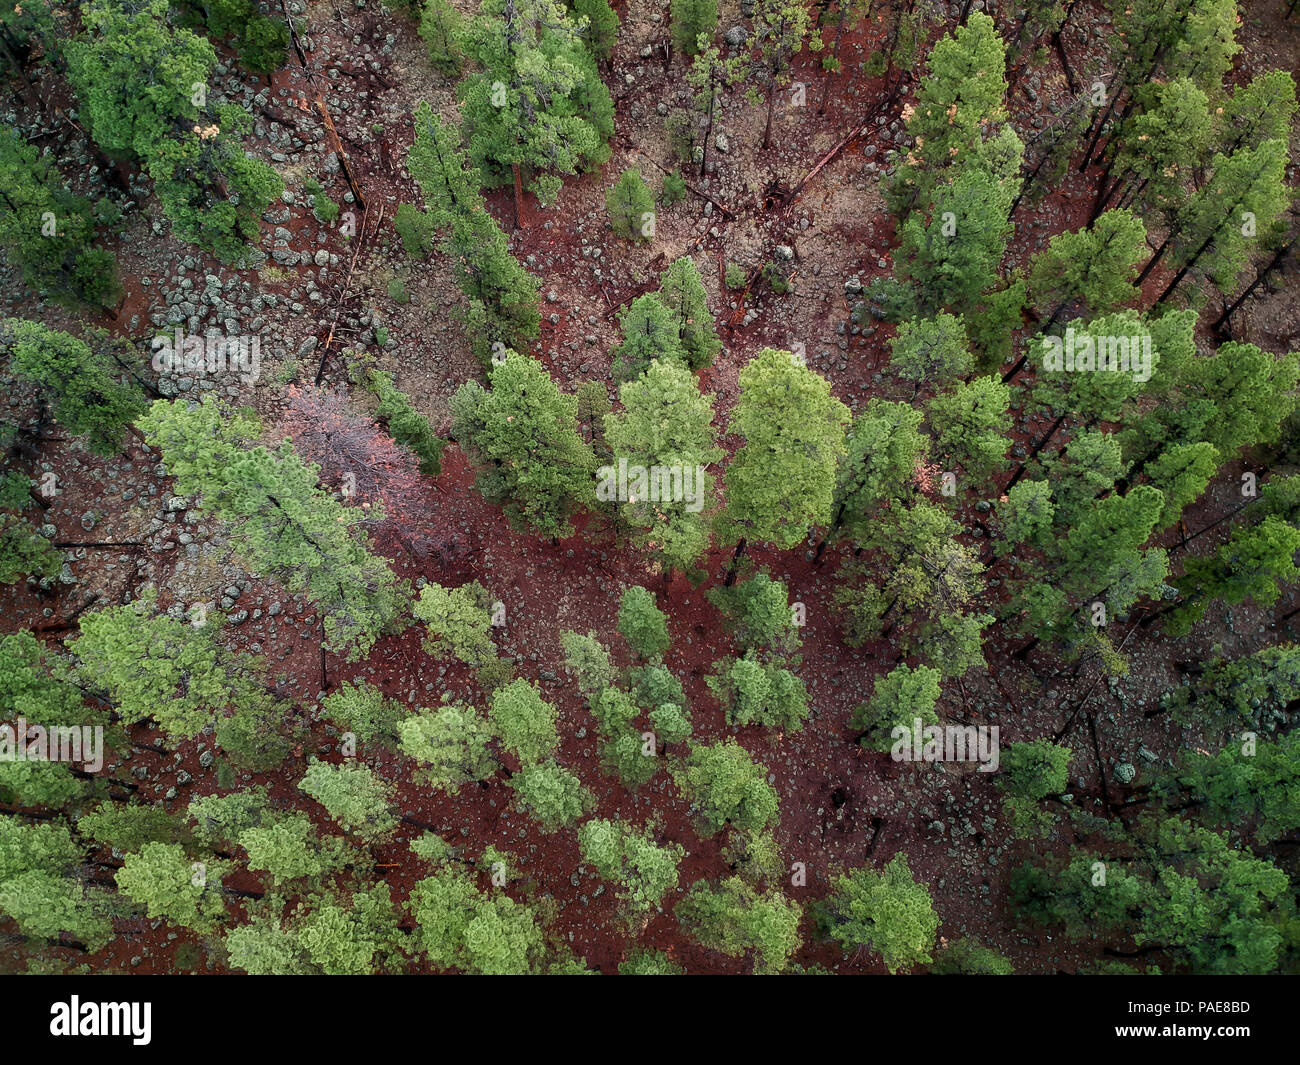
pixel 1059 45
pixel 1020 472
pixel 1260 275
pixel 708 130
pixel 735 564
pixel 771 103
pixel 520 222
pixel 1155 258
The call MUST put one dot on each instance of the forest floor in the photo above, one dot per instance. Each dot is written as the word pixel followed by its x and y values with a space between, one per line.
pixel 840 806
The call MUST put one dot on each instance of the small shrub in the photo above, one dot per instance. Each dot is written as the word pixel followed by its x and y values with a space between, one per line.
pixel 416 230
pixel 673 189
pixel 630 205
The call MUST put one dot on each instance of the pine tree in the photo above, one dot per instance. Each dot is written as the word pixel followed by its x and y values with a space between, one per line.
pixel 752 693
pixel 79 382
pixel 589 661
pixel 416 230
pixel 459 622
pixel 50 233
pixel 953 248
pixel 601 30
pixel 1030 773
pixel 1093 267
pixel 1237 397
pixel 438 164
pixel 1026 515
pixel 503 296
pixel 364 710
pixel 782 28
pixel 758 613
pixel 970 426
pixel 524 721
pixel 642 623
pixel 283 524
pixel 43 688
pixel 1251 565
pixel 709 73
pixel 735 918
pixel 933 580
pixel 1106 392
pixel 161 878
pixel 128 828
pixel 1252 691
pixel 1245 786
pixel 1157 41
pixel 884 449
pixel 523 436
pixel 24 553
pixel 38 892
pixel 666 423
pixel 781 481
pixel 631 206
pixel 354 796
pixel 899 698
pixel 211 189
pixel 450 744
pixel 332 934
pixel 156 667
pixel 1154 162
pixel 553 796
pixel 140 84
pixel 135 75
pixel 889 913
pixel 650 335
pixel 962 957
pixel 1209 906
pixel 1182 474
pixel 728 786
pixel 289 848
pixel 624 752
pixel 1216 229
pixel 645 872
pixel 959 104
pixel 1102 556
pixel 1259 111
pixel 441 27
pixel 536 107
pixel 459 927
pixel 260 42
pixel 681 290
pixel 849 15
pixel 931 350
pixel 690 20
pixel 406 425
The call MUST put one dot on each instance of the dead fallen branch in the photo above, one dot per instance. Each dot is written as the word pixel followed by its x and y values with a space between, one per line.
pixel 343 296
